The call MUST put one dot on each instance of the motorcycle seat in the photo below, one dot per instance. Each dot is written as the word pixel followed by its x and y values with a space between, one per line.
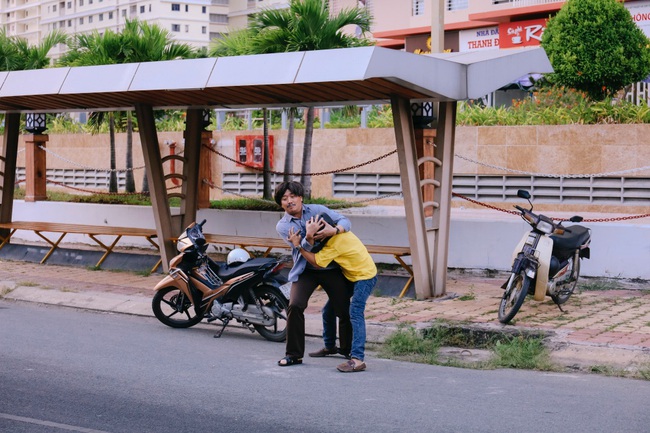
pixel 572 240
pixel 227 272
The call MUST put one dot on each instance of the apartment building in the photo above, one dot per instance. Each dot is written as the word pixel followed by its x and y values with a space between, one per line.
pixel 399 24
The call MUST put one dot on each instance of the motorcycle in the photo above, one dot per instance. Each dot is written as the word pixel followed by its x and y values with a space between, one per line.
pixel 250 291
pixel 546 261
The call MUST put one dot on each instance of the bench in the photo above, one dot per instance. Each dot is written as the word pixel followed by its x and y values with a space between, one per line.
pixel 92 231
pixel 245 242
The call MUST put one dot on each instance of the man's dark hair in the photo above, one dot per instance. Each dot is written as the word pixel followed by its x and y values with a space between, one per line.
pixel 296 188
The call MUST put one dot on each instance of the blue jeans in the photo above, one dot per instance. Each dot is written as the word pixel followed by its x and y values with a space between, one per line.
pixel 362 290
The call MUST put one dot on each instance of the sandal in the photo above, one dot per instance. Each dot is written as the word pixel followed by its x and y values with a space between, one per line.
pixel 289 360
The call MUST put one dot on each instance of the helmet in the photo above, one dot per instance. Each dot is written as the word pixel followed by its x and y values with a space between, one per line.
pixel 237 256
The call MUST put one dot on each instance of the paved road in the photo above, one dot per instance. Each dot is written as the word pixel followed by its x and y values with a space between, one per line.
pixel 64 369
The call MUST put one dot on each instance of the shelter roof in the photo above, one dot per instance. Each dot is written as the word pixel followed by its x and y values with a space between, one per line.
pixel 328 77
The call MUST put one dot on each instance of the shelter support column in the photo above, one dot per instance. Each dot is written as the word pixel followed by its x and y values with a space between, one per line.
pixel 443 178
pixel 415 219
pixel 190 190
pixel 35 167
pixel 156 180
pixel 8 167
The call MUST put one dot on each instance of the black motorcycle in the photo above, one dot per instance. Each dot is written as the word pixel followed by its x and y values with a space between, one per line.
pixel 248 290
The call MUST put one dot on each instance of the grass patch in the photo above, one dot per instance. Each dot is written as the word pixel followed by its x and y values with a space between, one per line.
pixel 27 284
pixel 468 296
pixel 599 284
pixel 508 350
pixel 522 353
pixel 142 199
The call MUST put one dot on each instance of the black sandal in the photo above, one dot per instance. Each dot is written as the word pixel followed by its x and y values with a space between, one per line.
pixel 289 360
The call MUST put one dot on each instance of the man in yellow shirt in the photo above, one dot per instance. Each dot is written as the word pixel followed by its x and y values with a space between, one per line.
pixel 357 266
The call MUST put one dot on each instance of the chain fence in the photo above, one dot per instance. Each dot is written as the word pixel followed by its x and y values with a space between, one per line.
pixel 350 168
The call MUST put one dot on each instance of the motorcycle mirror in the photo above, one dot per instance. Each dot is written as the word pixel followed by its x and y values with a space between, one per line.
pixel 576 219
pixel 522 193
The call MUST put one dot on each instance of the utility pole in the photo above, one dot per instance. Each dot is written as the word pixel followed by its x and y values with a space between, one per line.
pixel 438 26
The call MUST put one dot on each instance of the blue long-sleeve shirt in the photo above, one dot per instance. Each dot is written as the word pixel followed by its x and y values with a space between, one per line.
pixel 287 221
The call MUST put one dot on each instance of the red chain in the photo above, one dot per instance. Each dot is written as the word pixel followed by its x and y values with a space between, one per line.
pixel 322 173
pixel 592 220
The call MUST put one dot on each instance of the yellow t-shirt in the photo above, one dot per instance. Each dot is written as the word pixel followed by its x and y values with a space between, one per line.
pixel 351 255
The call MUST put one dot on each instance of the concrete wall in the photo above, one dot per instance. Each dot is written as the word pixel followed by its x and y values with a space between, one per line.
pixel 478 239
pixel 564 149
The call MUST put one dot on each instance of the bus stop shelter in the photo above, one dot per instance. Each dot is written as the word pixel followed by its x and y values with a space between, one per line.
pixel 366 75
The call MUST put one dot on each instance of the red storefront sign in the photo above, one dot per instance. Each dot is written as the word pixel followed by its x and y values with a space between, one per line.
pixel 521 33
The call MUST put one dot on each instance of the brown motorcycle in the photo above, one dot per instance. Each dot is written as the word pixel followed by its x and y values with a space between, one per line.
pixel 250 291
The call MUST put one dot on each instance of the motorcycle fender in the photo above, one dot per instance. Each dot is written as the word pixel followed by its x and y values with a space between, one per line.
pixel 544 251
pixel 173 282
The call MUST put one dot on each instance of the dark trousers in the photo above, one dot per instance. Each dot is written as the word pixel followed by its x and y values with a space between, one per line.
pixel 337 289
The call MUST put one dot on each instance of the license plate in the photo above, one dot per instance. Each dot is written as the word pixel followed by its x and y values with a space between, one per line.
pixel 286 289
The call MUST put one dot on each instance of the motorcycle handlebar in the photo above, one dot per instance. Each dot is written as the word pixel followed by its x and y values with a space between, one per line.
pixel 202 222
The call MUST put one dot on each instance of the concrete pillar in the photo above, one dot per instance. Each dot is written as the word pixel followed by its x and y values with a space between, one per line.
pixel 35 167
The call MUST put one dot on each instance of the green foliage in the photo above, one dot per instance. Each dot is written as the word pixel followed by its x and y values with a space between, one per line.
pixel 595 46
pixel 380 116
pixel 554 105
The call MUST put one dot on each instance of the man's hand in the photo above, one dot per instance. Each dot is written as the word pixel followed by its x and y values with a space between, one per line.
pixel 294 237
pixel 322 230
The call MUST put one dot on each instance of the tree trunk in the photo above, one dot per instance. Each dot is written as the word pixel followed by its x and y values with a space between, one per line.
pixel 288 158
pixel 267 195
pixel 130 182
pixel 305 176
pixel 112 180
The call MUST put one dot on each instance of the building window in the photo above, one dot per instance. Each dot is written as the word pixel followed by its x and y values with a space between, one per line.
pixel 81 2
pixel 81 20
pixel 69 5
pixel 203 9
pixel 204 29
pixel 456 5
pixel 53 26
pixel 220 2
pixel 54 8
pixel 90 2
pixel 176 7
pixel 141 9
pixel 69 23
pixel 418 7
pixel 187 8
pixel 176 27
pixel 123 12
pixel 110 15
pixel 219 18
pixel 133 10
pixel 101 17
pixel 187 28
pixel 90 19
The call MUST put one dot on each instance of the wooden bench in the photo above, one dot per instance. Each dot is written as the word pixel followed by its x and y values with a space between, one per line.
pixel 92 231
pixel 245 242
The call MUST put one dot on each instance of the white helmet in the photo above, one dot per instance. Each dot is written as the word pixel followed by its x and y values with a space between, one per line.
pixel 237 256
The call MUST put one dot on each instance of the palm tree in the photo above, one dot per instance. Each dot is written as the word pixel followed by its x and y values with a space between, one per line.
pixel 17 55
pixel 139 41
pixel 305 25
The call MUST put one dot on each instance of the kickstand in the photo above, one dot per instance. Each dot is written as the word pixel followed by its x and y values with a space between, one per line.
pixel 220 331
pixel 560 307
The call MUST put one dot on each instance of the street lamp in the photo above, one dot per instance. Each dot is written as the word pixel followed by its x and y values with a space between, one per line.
pixel 422 114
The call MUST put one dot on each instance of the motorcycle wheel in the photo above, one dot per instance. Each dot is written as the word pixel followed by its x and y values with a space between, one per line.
pixel 566 292
pixel 271 297
pixel 173 308
pixel 513 296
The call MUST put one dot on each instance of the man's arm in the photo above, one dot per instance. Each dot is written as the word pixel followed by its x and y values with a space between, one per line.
pixel 295 240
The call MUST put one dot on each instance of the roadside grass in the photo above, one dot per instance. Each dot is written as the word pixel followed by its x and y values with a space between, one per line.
pixel 598 284
pixel 506 351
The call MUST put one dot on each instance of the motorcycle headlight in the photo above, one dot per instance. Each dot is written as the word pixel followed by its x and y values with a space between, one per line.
pixel 545 227
pixel 183 243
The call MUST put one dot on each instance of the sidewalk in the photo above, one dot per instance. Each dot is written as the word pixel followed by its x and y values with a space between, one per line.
pixel 605 327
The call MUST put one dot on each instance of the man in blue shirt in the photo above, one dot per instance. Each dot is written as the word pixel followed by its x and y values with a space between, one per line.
pixel 305 277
